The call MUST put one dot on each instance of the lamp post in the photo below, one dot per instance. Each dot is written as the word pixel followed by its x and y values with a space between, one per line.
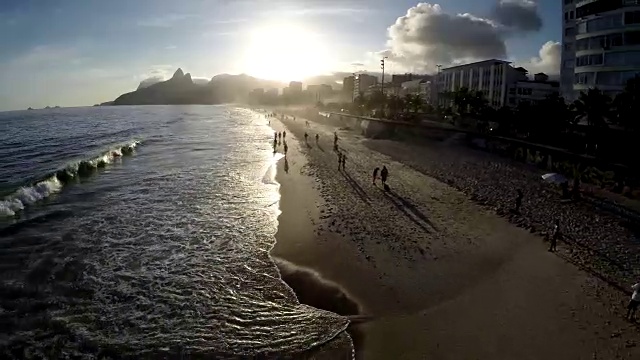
pixel 438 80
pixel 382 66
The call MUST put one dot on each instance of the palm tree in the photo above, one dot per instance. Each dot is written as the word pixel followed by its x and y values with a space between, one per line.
pixel 413 102
pixel 395 105
pixel 595 106
pixel 627 105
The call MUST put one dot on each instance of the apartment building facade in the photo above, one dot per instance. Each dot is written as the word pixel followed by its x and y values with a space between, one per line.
pixel 491 77
pixel 601 45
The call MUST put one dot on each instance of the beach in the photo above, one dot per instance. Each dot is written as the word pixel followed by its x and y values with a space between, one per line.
pixel 441 276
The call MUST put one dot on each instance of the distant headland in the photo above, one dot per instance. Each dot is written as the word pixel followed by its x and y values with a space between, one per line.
pixel 181 89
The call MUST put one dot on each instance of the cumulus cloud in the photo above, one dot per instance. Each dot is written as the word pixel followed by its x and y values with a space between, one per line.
pixel 519 15
pixel 427 36
pixel 547 61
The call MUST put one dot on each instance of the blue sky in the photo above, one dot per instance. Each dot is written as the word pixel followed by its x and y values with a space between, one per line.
pixel 79 52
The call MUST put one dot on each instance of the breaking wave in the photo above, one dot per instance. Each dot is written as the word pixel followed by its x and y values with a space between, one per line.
pixel 54 182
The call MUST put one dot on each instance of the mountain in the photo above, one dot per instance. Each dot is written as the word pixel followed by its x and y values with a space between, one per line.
pixel 182 89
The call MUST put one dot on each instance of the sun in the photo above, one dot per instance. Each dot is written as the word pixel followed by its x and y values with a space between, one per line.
pixel 285 53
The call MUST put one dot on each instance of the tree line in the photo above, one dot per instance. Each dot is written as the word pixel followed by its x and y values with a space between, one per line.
pixel 594 124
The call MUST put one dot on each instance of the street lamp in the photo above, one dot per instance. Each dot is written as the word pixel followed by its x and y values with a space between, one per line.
pixel 382 66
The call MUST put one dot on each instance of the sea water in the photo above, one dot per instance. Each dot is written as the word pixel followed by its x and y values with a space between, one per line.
pixel 144 232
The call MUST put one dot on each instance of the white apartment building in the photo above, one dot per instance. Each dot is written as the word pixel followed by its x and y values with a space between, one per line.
pixel 531 91
pixel 362 83
pixel 601 45
pixel 491 77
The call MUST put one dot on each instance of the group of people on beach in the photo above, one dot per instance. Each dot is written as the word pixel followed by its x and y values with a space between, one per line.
pixel 280 138
pixel 384 174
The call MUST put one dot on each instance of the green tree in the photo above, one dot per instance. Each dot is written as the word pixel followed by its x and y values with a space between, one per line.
pixel 627 105
pixel 413 102
pixel 595 106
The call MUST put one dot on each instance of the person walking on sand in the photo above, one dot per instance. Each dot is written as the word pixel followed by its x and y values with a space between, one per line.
pixel 335 138
pixel 317 138
pixel 634 302
pixel 519 201
pixel 286 148
pixel 306 136
pixel 344 160
pixel 555 235
pixel 339 160
pixel 284 135
pixel 375 175
pixel 384 174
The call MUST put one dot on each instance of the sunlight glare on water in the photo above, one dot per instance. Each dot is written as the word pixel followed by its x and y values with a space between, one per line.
pixel 160 253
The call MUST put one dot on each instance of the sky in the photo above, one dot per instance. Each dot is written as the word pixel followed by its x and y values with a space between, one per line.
pixel 81 52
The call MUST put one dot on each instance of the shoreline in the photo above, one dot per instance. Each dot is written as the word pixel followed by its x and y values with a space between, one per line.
pixel 433 290
pixel 295 229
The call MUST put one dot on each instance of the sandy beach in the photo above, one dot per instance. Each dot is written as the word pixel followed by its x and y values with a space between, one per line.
pixel 442 277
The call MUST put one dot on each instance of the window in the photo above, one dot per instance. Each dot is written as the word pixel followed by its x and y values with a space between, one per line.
pixel 596 7
pixel 589 60
pixel 512 91
pixel 609 78
pixel 568 63
pixel 584 78
pixel 582 28
pixel 632 38
pixel 568 2
pixel 571 15
pixel 582 44
pixel 570 31
pixel 632 17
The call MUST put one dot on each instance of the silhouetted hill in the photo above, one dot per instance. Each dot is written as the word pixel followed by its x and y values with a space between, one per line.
pixel 181 89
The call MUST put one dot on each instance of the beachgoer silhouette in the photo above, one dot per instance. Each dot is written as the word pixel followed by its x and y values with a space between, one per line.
pixel 286 165
pixel 383 175
pixel 519 201
pixel 375 175
pixel 284 134
pixel 317 138
pixel 634 302
pixel 306 136
pixel 286 148
pixel 279 135
pixel 555 235
pixel 339 160
pixel 344 160
pixel 335 138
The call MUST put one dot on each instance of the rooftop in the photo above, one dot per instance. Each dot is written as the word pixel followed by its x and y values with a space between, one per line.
pixel 479 63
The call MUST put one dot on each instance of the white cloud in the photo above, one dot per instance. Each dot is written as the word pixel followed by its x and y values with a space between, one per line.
pixel 547 61
pixel 427 36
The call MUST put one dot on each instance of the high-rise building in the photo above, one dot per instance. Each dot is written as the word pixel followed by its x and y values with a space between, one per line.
pixel 295 87
pixel 348 85
pixel 362 83
pixel 600 45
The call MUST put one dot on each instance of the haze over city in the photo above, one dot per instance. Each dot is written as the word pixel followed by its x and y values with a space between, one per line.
pixel 74 53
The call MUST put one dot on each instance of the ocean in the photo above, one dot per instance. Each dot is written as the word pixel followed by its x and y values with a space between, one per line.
pixel 144 232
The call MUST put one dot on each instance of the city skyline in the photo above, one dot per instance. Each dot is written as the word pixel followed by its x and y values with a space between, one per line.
pixel 79 53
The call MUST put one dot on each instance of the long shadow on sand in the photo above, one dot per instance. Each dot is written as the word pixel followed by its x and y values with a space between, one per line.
pixel 319 147
pixel 410 211
pixel 356 187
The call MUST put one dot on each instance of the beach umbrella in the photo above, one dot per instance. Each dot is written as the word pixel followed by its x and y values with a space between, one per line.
pixel 554 178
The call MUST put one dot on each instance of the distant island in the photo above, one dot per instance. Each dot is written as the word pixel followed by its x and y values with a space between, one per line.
pixel 181 89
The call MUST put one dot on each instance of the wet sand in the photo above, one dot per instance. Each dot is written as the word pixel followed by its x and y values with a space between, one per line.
pixel 442 277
